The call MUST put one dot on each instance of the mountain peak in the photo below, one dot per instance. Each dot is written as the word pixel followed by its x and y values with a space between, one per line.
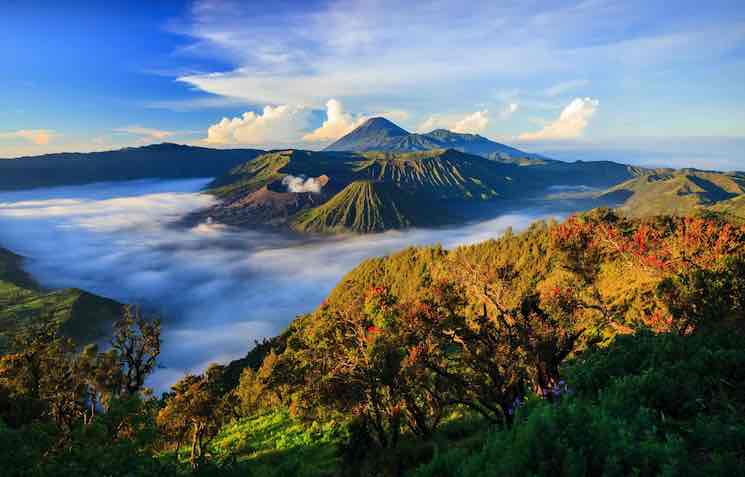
pixel 370 135
pixel 380 134
pixel 381 124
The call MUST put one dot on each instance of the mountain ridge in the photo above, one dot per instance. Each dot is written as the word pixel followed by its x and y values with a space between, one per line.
pixel 430 180
pixel 157 161
pixel 380 134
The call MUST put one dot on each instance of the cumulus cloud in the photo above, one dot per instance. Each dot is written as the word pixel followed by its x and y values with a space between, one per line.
pixel 472 123
pixel 299 184
pixel 395 115
pixel 274 126
pixel 146 133
pixel 217 288
pixel 570 124
pixel 338 123
pixel 40 137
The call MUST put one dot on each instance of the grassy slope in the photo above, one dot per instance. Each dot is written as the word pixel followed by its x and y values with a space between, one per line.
pixel 274 444
pixel 82 316
pixel 679 192
pixel 250 176
pixel 734 207
pixel 273 166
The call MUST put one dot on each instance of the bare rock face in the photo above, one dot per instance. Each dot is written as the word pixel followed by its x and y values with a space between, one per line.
pixel 272 204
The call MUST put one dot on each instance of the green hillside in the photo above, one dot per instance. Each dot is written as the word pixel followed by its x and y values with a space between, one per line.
pixel 273 166
pixel 679 192
pixel 81 315
pixel 362 207
pixel 254 193
pixel 734 207
pixel 603 346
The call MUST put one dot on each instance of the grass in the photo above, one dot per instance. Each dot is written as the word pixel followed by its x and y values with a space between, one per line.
pixel 275 444
pixel 81 315
pixel 680 193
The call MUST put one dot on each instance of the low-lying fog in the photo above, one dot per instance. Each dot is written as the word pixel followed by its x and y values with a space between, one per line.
pixel 217 288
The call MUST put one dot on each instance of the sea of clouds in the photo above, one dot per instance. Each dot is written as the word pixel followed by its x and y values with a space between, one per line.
pixel 217 288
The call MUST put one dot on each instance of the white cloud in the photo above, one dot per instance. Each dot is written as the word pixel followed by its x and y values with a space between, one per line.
pixel 470 123
pixel 570 124
pixel 395 115
pixel 561 88
pixel 40 137
pixel 300 184
pixel 277 126
pixel 508 111
pixel 337 123
pixel 431 123
pixel 365 52
pixel 473 123
pixel 146 133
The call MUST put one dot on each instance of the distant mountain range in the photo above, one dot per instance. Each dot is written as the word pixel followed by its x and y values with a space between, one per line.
pixel 161 161
pixel 375 191
pixel 379 177
pixel 380 134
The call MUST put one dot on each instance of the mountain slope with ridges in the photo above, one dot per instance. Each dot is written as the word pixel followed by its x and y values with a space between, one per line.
pixel 442 174
pixel 361 207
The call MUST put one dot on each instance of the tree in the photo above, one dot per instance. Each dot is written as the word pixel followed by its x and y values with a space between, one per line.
pixel 253 391
pixel 136 345
pixel 358 360
pixel 196 405
pixel 697 265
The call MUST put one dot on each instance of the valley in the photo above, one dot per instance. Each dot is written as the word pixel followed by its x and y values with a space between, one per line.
pixel 217 288
pixel 371 238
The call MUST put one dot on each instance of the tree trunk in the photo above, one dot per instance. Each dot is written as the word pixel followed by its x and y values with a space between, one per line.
pixel 194 445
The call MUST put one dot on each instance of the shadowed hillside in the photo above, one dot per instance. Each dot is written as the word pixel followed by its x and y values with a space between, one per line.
pixel 157 161
pixel 83 316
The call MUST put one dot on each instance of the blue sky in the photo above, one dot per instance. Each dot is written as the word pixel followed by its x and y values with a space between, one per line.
pixel 648 82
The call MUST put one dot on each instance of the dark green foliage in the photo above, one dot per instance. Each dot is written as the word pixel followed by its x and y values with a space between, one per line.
pixel 645 405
